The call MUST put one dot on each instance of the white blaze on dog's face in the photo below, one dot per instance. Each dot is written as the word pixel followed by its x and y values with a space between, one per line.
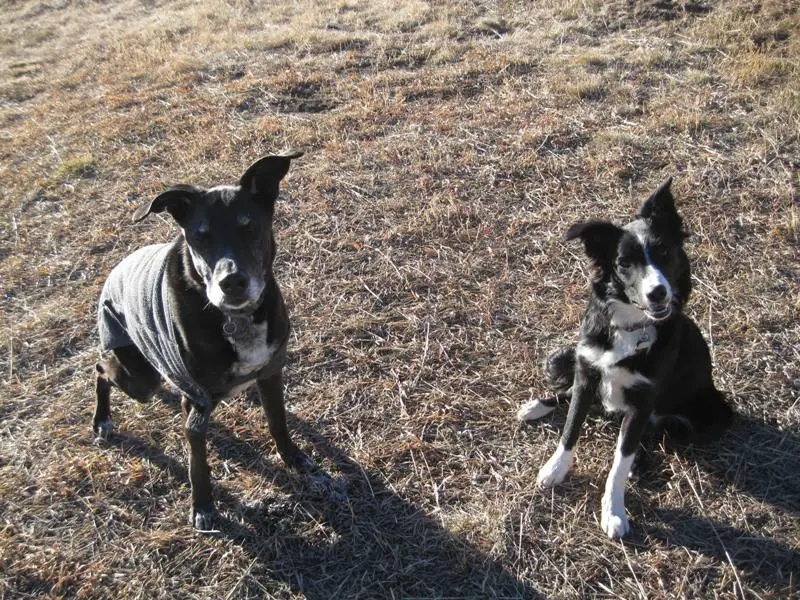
pixel 641 269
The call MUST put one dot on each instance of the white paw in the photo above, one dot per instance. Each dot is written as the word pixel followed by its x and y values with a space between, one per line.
pixel 554 470
pixel 203 520
pixel 535 409
pixel 103 431
pixel 613 520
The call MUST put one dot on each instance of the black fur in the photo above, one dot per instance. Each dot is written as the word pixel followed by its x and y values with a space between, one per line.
pixel 226 244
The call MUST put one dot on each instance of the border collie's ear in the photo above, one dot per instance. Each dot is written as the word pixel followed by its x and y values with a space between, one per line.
pixel 176 201
pixel 600 239
pixel 261 179
pixel 594 233
pixel 660 210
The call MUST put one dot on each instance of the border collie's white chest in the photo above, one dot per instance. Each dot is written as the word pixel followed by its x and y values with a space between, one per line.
pixel 616 378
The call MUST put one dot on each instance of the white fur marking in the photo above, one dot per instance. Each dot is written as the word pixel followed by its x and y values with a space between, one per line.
pixel 617 379
pixel 626 343
pixel 613 519
pixel 253 353
pixel 535 409
pixel 227 188
pixel 103 430
pixel 626 315
pixel 654 277
pixel 554 470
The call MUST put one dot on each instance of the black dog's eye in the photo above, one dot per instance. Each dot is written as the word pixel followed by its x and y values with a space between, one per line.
pixel 623 263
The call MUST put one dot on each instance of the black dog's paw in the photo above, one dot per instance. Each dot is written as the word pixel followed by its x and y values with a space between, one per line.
pixel 202 519
pixel 298 460
pixel 103 430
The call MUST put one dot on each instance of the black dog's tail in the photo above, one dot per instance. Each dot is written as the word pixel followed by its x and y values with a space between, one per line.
pixel 559 368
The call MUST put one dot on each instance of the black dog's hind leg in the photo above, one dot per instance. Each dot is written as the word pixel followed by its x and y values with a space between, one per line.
pixel 195 426
pixel 584 390
pixel 613 519
pixel 270 391
pixel 127 369
pixel 101 421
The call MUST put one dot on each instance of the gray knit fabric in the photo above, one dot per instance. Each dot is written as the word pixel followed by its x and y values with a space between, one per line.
pixel 136 308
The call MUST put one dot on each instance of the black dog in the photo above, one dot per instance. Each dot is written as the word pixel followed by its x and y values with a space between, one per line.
pixel 638 352
pixel 203 312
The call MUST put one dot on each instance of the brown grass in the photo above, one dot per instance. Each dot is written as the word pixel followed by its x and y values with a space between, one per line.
pixel 449 146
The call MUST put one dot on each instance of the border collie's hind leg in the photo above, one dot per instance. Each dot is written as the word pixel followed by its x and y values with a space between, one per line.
pixel 707 415
pixel 127 369
pixel 559 368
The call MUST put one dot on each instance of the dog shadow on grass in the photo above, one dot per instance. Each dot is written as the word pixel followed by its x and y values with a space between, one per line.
pixel 755 459
pixel 348 536
pixel 375 544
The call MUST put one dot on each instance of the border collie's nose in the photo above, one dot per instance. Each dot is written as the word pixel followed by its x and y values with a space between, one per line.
pixel 657 295
pixel 234 284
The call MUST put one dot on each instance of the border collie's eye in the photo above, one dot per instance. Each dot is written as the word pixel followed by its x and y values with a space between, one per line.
pixel 660 252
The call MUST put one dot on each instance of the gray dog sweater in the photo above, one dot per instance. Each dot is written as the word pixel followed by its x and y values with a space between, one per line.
pixel 136 308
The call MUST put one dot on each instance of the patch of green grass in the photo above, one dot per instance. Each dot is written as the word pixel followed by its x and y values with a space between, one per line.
pixel 79 167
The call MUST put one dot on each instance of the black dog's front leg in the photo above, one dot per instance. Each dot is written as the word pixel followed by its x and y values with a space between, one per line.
pixel 195 426
pixel 584 391
pixel 613 519
pixel 270 390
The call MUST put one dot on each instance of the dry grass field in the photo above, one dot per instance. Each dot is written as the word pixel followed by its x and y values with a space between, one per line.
pixel 449 145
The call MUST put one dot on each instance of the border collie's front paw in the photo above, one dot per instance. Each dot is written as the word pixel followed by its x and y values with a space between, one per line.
pixel 613 520
pixel 202 519
pixel 554 470
pixel 103 431
pixel 535 409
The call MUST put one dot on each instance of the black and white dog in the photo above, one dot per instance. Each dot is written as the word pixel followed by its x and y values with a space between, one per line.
pixel 637 351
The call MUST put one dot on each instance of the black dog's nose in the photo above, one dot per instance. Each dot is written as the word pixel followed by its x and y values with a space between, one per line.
pixel 234 284
pixel 658 294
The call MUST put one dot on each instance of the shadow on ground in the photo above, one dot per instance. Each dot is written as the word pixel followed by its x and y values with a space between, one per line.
pixel 344 537
pixel 759 460
pixel 756 459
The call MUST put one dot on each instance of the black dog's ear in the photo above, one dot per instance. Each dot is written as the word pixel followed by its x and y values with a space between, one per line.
pixel 176 201
pixel 261 179
pixel 660 210
pixel 600 239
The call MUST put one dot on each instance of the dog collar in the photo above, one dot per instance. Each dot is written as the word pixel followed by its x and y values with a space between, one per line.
pixel 644 342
